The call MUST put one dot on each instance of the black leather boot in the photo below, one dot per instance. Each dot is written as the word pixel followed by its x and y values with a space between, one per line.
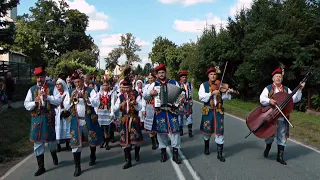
pixel 175 157
pixel 267 150
pixel 104 142
pixel 77 159
pixel 68 145
pixel 220 150
pixel 107 140
pixel 41 169
pixel 136 153
pixel 164 157
pixel 280 155
pixel 206 147
pixel 58 147
pixel 156 137
pixel 181 130
pixel 127 154
pixel 92 156
pixel 55 157
pixel 154 144
pixel 190 130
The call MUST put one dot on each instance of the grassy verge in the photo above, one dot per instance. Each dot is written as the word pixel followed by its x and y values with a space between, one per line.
pixel 306 126
pixel 14 130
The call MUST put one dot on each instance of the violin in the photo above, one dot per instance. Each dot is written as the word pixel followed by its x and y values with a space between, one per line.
pixel 222 87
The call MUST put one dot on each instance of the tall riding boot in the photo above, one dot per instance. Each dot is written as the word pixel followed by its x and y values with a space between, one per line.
pixel 190 130
pixel 267 150
pixel 68 145
pixel 41 169
pixel 206 147
pixel 104 141
pixel 181 130
pixel 92 156
pixel 58 147
pixel 54 157
pixel 112 137
pixel 154 144
pixel 176 156
pixel 280 155
pixel 219 150
pixel 156 137
pixel 77 160
pixel 107 140
pixel 164 157
pixel 136 153
pixel 127 154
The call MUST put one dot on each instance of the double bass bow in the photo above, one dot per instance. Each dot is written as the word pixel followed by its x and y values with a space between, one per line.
pixel 262 121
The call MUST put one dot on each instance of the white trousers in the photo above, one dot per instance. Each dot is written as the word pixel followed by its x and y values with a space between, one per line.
pixel 38 147
pixel 163 140
pixel 189 119
pixel 218 139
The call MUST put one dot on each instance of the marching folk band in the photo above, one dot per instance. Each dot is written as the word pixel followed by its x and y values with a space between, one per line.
pixel 74 113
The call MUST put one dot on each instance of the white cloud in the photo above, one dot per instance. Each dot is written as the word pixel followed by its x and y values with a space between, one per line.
pixel 197 25
pixel 239 5
pixel 97 20
pixel 186 2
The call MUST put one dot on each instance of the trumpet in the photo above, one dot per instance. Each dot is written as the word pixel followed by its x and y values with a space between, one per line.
pixel 41 103
pixel 76 97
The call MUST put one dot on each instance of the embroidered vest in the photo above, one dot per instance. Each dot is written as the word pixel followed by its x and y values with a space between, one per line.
pixel 132 110
pixel 189 89
pixel 89 109
pixel 48 107
pixel 271 90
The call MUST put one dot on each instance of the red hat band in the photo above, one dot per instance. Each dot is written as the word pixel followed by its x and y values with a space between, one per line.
pixel 160 67
pixel 277 71
pixel 211 69
pixel 183 73
pixel 38 71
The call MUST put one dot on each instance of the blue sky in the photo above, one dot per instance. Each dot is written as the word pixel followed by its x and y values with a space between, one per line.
pixel 178 20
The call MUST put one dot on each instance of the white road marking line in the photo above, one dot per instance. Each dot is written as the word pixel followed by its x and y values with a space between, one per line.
pixel 175 166
pixel 295 141
pixel 194 174
pixel 15 167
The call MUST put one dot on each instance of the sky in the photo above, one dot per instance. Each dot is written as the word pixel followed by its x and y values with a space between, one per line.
pixel 178 20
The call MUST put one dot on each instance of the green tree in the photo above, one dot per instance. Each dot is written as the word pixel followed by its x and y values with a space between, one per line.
pixel 50 30
pixel 147 69
pixel 7 29
pixel 158 53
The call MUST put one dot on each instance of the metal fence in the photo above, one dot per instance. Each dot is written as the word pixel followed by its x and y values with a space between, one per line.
pixel 21 72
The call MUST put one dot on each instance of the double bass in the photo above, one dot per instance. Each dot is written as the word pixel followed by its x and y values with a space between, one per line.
pixel 262 121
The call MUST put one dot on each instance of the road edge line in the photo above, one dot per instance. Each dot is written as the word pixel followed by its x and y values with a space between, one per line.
pixel 290 139
pixel 175 166
pixel 193 173
pixel 15 167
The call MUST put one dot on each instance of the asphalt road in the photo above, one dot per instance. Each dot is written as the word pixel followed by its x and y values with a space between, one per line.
pixel 244 160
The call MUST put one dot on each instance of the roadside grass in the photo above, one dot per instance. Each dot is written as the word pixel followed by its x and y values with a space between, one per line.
pixel 306 126
pixel 14 138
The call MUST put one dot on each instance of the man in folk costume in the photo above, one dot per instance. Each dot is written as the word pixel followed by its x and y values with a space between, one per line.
pixel 105 112
pixel 213 112
pixel 81 102
pixel 41 101
pixel 185 107
pixel 148 112
pixel 139 89
pixel 62 122
pixel 166 122
pixel 282 132
pixel 130 130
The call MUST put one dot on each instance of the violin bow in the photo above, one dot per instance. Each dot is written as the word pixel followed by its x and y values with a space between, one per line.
pixel 225 67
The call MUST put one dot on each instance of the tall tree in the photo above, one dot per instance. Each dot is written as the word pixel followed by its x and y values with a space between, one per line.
pixel 147 68
pixel 7 30
pixel 130 48
pixel 158 53
pixel 52 29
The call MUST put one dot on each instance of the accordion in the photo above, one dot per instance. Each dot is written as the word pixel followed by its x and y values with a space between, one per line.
pixel 168 94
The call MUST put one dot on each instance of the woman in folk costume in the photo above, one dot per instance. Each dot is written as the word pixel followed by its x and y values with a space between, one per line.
pixel 149 112
pixel 130 131
pixel 81 102
pixel 62 122
pixel 105 112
